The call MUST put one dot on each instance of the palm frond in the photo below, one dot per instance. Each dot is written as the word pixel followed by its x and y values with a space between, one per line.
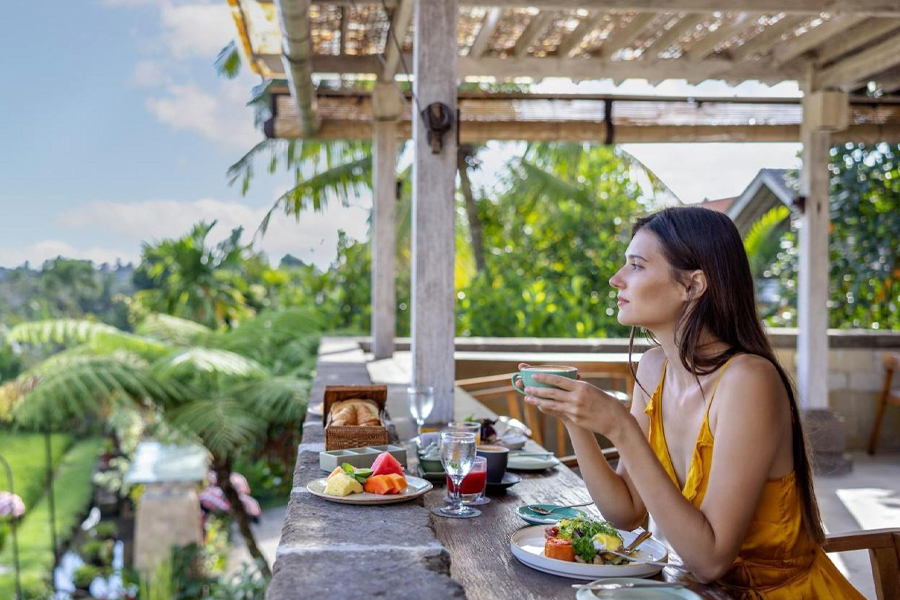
pixel 85 387
pixel 192 361
pixel 58 331
pixel 174 330
pixel 223 424
pixel 228 61
pixel 277 399
pixel 661 193
pixel 111 341
pixel 763 241
pixel 535 182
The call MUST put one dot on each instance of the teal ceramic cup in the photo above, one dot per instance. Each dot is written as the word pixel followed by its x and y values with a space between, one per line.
pixel 526 376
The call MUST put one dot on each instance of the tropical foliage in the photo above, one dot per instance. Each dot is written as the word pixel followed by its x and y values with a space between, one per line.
pixel 225 389
pixel 864 242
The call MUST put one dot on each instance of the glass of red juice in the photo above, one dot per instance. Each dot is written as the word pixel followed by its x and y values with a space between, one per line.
pixel 471 489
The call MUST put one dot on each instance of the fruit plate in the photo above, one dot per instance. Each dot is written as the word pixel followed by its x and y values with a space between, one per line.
pixel 527 545
pixel 416 486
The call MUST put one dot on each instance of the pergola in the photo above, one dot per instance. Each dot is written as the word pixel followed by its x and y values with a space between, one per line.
pixel 845 54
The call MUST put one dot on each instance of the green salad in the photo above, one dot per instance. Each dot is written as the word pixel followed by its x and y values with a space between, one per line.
pixel 582 531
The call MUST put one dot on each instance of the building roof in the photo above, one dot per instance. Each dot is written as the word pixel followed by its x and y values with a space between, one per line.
pixel 770 188
pixel 721 205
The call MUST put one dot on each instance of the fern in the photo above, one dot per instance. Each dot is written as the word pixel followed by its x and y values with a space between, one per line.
pixel 58 331
pixel 222 424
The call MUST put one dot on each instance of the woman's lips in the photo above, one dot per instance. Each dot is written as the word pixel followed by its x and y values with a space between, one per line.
pixel 622 302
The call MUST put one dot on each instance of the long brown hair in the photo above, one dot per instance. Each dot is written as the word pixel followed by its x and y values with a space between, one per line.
pixel 694 238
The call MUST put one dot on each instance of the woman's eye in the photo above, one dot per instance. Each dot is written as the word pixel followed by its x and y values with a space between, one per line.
pixel 635 266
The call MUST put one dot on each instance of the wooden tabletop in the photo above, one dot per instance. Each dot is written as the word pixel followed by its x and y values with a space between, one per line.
pixel 479 547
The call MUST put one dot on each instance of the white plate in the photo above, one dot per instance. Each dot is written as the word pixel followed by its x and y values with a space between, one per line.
pixel 416 486
pixel 662 593
pixel 531 463
pixel 527 545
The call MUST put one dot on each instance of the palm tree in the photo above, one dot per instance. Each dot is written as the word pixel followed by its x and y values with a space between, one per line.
pixel 223 389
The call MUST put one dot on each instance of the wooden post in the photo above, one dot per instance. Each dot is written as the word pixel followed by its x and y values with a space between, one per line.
pixel 434 181
pixel 823 112
pixel 386 108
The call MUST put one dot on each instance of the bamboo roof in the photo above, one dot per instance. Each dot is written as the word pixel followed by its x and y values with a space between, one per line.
pixel 734 40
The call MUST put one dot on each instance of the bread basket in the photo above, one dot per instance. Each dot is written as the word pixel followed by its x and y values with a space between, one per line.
pixel 354 436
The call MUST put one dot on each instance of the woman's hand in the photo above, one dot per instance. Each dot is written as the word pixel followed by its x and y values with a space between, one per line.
pixel 578 403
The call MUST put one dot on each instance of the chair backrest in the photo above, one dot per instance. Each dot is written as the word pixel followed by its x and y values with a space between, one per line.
pixel 884 552
pixel 891 361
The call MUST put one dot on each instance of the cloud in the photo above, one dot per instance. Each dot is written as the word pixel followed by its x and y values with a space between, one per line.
pixel 39 252
pixel 196 30
pixel 222 118
pixel 149 73
pixel 313 238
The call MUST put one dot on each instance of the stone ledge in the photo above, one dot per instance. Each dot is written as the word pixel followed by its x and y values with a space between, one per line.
pixel 387 573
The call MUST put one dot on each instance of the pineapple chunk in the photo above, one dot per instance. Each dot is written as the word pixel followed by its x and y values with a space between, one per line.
pixel 341 484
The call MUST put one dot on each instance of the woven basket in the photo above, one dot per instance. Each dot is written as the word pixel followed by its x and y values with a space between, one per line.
pixel 349 436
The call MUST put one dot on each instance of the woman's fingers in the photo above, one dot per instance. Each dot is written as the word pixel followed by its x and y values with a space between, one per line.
pixel 551 407
pixel 556 380
pixel 548 393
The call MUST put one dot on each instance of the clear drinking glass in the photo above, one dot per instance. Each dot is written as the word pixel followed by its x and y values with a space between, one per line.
pixel 458 458
pixel 421 403
pixel 471 490
pixel 468 426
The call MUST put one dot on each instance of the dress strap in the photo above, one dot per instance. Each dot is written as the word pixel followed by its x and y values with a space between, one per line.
pixel 716 386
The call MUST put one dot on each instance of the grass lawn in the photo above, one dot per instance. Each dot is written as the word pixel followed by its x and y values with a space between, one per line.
pixel 25 454
pixel 73 496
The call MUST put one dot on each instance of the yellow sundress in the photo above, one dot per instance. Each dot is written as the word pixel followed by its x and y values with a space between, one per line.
pixel 778 560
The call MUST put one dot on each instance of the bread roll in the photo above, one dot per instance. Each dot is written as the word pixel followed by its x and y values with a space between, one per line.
pixel 355 412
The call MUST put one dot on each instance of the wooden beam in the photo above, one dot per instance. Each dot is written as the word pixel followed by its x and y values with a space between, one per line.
pixel 474 132
pixel 345 22
pixel 674 33
pixel 802 44
pixel 868 7
pixel 813 259
pixel 857 69
pixel 577 68
pixel 386 103
pixel 860 36
pixel 433 210
pixel 399 27
pixel 296 44
pixel 767 38
pixel 488 26
pixel 587 25
pixel 534 28
pixel 539 68
pixel 623 37
pixel 704 47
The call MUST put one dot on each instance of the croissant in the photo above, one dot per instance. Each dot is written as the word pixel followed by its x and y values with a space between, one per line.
pixel 355 412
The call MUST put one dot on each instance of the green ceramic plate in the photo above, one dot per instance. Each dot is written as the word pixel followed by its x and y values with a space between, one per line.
pixel 538 519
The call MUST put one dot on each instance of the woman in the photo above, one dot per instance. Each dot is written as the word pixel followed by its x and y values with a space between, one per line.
pixel 716 452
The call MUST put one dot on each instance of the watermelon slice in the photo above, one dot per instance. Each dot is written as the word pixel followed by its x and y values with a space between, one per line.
pixel 385 464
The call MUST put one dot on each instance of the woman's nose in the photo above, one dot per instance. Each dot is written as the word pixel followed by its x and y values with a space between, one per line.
pixel 615 281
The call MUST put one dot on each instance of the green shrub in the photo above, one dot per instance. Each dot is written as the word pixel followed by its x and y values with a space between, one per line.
pixel 97 552
pixel 106 530
pixel 84 575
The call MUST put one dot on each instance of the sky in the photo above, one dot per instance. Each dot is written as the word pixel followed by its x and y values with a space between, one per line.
pixel 115 130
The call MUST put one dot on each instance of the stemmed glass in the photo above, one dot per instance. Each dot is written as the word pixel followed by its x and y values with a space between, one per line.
pixel 458 458
pixel 421 403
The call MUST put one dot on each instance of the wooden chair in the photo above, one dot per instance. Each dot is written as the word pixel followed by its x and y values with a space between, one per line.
pixel 884 552
pixel 891 363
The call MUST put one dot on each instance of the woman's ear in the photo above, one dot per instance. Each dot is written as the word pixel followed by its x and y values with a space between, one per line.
pixel 696 285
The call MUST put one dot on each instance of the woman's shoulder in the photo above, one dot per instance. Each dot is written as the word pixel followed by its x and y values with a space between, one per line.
pixel 649 370
pixel 751 375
